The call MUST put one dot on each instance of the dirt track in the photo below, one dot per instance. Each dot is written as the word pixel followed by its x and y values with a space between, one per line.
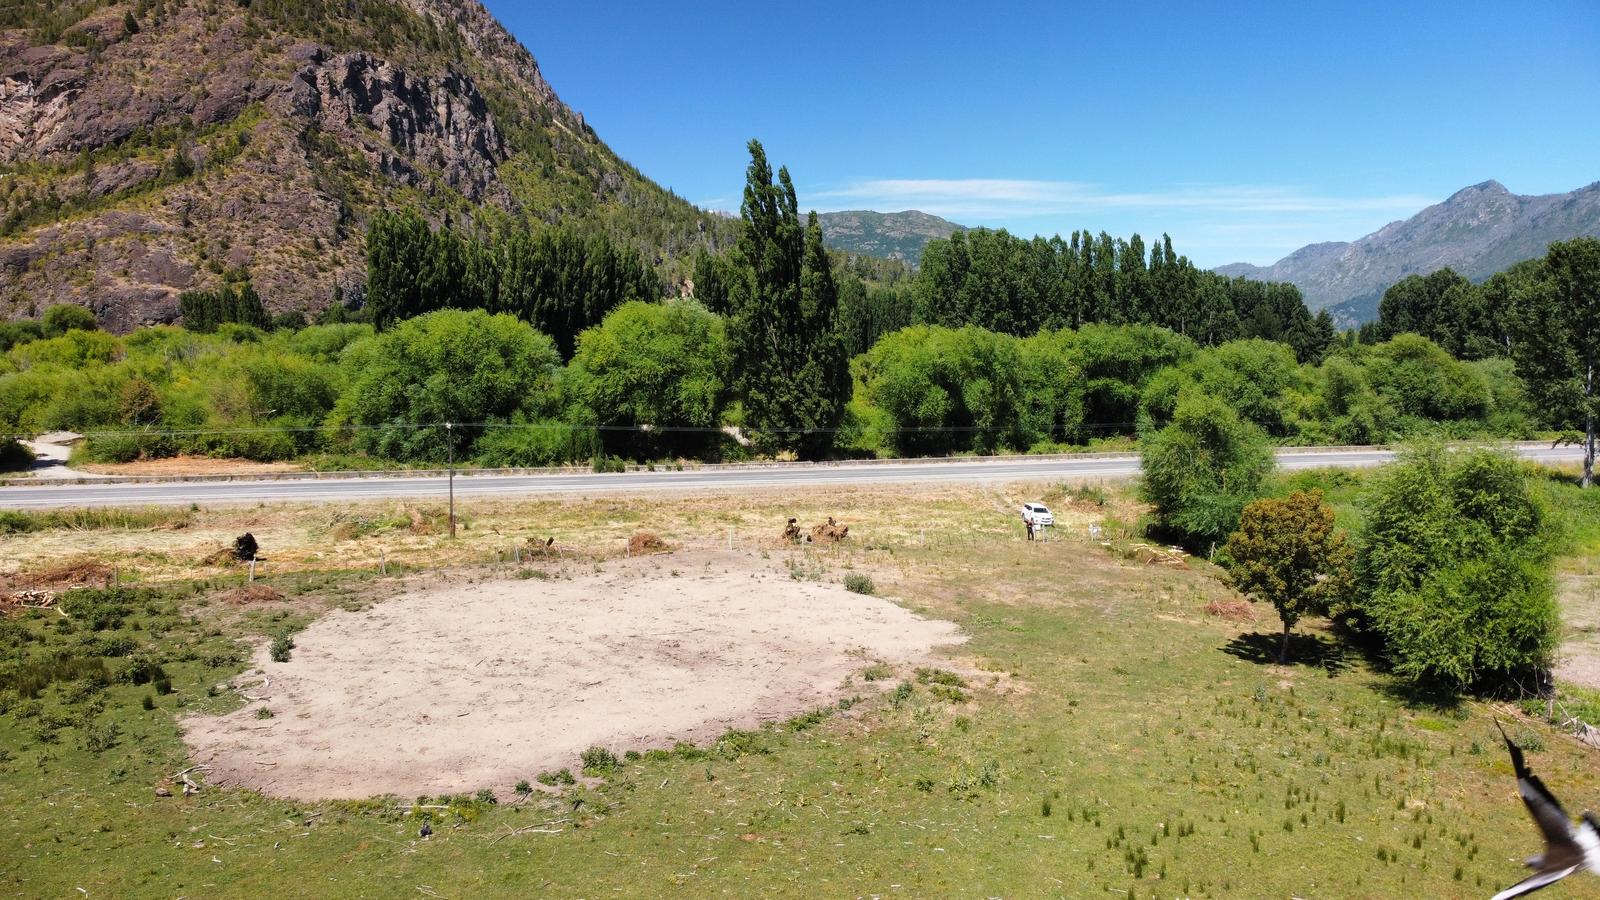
pixel 481 685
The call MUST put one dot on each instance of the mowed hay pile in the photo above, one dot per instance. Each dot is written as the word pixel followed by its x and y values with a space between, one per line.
pixel 252 595
pixel 1231 610
pixel 647 542
pixel 74 574
pixel 39 590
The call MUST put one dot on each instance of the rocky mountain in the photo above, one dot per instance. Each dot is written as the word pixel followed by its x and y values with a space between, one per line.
pixel 1478 231
pixel 900 235
pixel 158 146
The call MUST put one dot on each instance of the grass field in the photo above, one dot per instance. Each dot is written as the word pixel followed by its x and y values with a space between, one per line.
pixel 1110 736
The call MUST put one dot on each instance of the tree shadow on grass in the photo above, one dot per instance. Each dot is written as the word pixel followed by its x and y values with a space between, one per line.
pixel 1304 650
pixel 1420 696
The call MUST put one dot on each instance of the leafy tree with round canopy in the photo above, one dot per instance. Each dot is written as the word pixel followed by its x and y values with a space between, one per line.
pixel 949 390
pixel 59 320
pixel 657 366
pixel 1419 378
pixel 1454 565
pixel 469 368
pixel 1557 322
pixel 1201 470
pixel 1287 553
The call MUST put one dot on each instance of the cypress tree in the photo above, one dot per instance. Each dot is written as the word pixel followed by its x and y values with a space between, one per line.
pixel 789 359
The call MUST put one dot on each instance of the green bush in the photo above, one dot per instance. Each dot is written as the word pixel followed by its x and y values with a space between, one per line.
pixel 102 608
pixel 281 645
pixel 446 366
pixel 547 442
pixel 1455 564
pixel 59 320
pixel 857 583
pixel 599 760
pixel 1201 470
pixel 665 365
pixel 128 446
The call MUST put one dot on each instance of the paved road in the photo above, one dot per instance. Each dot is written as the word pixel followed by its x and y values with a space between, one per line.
pixel 331 489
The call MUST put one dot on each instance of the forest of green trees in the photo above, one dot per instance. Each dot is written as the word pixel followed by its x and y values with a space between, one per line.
pixel 554 345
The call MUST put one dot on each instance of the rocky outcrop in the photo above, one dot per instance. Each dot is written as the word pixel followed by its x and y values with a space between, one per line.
pixel 213 138
pixel 37 88
pixel 441 123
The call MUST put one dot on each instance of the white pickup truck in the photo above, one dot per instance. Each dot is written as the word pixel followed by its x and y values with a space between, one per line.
pixel 1038 515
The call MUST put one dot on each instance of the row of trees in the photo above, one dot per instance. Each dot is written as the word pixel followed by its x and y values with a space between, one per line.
pixel 931 390
pixel 656 380
pixel 1019 286
pixel 561 279
pixel 1544 314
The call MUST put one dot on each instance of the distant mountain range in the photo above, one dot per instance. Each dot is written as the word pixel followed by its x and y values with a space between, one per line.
pixel 1478 231
pixel 898 235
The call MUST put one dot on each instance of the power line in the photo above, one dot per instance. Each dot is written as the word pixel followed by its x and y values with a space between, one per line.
pixel 554 426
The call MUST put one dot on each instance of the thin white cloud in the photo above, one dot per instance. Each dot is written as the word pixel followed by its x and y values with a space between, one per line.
pixel 997 198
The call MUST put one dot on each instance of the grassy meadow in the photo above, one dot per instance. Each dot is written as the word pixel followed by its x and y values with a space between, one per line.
pixel 1101 733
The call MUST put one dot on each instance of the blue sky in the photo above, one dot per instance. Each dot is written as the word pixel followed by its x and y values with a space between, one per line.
pixel 1244 130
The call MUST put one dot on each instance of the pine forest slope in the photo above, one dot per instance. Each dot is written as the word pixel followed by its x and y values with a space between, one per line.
pixel 1478 231
pixel 157 146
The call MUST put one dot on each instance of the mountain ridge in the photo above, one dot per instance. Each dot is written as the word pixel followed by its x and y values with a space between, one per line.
pixel 896 235
pixel 1479 230
pixel 149 149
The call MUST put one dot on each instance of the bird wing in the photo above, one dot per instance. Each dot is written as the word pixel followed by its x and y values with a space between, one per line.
pixel 1535 882
pixel 1546 810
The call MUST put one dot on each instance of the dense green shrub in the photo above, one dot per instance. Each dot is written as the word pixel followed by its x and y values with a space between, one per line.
pixel 654 366
pixel 1201 470
pixel 1257 378
pixel 19 332
pixel 1115 361
pixel 59 320
pixel 1419 378
pixel 950 390
pixel 74 349
pixel 447 366
pixel 1454 564
pixel 546 442
pixel 102 608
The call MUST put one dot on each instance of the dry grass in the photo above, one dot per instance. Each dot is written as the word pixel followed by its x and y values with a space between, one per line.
pixel 1231 609
pixel 356 536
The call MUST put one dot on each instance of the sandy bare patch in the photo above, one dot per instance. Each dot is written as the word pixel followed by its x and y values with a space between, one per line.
pixel 191 465
pixel 1579 658
pixel 480 685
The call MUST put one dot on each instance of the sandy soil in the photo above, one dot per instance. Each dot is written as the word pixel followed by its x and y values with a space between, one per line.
pixel 1578 660
pixel 482 684
pixel 190 465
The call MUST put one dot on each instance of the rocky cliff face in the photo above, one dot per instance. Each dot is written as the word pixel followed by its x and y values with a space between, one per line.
pixel 1478 231
pixel 412 123
pixel 216 141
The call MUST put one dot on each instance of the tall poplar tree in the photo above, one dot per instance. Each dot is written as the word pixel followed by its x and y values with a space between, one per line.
pixel 789 357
